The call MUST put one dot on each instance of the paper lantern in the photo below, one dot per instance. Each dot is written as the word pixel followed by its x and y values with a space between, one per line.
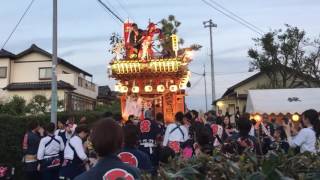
pixel 148 88
pixel 160 88
pixel 124 89
pixel 135 89
pixel 173 88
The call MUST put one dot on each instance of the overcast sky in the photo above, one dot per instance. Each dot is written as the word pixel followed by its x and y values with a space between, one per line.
pixel 84 29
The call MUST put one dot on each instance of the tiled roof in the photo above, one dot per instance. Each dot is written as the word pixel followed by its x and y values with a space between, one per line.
pixel 35 48
pixel 37 86
pixel 4 54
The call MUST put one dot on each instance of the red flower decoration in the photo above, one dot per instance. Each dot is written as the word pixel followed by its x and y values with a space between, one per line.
pixel 175 146
pixel 114 174
pixel 128 158
pixel 145 126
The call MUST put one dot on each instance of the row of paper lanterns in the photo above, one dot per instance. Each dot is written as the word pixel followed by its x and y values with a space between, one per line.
pixel 148 88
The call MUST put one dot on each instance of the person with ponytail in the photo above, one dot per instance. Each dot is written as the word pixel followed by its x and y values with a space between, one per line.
pixel 306 138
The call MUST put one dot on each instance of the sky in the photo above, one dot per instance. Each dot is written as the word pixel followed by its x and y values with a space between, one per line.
pixel 85 28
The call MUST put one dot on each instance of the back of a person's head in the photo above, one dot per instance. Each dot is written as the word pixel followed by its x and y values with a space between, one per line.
pixel 195 113
pixel 188 116
pixel 131 135
pixel 179 117
pixel 33 125
pixel 165 154
pixel 82 128
pixel 50 128
pixel 203 136
pixel 244 126
pixel 106 137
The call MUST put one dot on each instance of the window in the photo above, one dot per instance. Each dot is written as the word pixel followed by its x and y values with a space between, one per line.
pixel 45 73
pixel 3 72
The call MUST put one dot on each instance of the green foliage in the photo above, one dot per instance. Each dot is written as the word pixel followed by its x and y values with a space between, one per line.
pixel 169 27
pixel 285 55
pixel 114 107
pixel 273 166
pixel 13 129
pixel 15 106
pixel 38 105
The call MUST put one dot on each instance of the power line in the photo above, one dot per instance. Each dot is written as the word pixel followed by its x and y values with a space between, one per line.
pixel 229 16
pixel 125 10
pixel 237 16
pixel 110 11
pixel 16 26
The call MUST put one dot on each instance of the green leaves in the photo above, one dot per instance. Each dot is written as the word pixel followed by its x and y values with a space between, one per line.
pixel 273 166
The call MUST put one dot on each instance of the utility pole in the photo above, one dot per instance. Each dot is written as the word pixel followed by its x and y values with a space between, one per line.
pixel 209 24
pixel 54 98
pixel 205 86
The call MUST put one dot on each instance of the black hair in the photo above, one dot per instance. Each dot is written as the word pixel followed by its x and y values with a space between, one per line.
pixel 130 116
pixel 313 117
pixel 134 25
pixel 179 117
pixel 131 135
pixel 33 125
pixel 50 128
pixel 188 116
pixel 195 113
pixel 165 154
pixel 244 126
pixel 203 139
pixel 282 132
pixel 229 124
pixel 82 128
pixel 106 137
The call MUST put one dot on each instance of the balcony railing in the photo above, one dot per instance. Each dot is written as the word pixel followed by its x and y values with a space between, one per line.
pixel 86 84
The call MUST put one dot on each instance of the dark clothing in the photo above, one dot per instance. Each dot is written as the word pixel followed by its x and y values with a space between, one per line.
pixel 110 167
pixel 237 144
pixel 72 168
pixel 62 134
pixel 30 147
pixel 136 158
pixel 52 174
pixel 31 143
pixel 149 131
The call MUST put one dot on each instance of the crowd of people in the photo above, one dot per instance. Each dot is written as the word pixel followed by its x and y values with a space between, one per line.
pixel 114 149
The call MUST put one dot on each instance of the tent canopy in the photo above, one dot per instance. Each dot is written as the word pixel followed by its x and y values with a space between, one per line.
pixel 283 100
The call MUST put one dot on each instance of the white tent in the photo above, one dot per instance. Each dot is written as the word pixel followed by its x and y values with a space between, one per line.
pixel 283 100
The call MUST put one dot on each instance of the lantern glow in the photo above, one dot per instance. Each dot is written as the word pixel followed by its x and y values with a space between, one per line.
pixel 295 117
pixel 148 88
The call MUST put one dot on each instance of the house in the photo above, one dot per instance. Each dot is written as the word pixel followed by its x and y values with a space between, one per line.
pixel 29 73
pixel 106 95
pixel 235 97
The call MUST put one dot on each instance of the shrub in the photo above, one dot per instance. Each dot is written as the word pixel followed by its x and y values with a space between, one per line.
pixel 38 105
pixel 12 129
pixel 15 106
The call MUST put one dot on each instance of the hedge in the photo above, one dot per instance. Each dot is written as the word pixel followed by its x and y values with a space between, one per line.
pixel 13 128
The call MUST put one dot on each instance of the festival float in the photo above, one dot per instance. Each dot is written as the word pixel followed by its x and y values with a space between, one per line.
pixel 149 79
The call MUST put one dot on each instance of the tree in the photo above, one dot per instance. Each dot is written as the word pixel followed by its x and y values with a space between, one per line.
pixel 169 27
pixel 15 106
pixel 285 56
pixel 38 105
